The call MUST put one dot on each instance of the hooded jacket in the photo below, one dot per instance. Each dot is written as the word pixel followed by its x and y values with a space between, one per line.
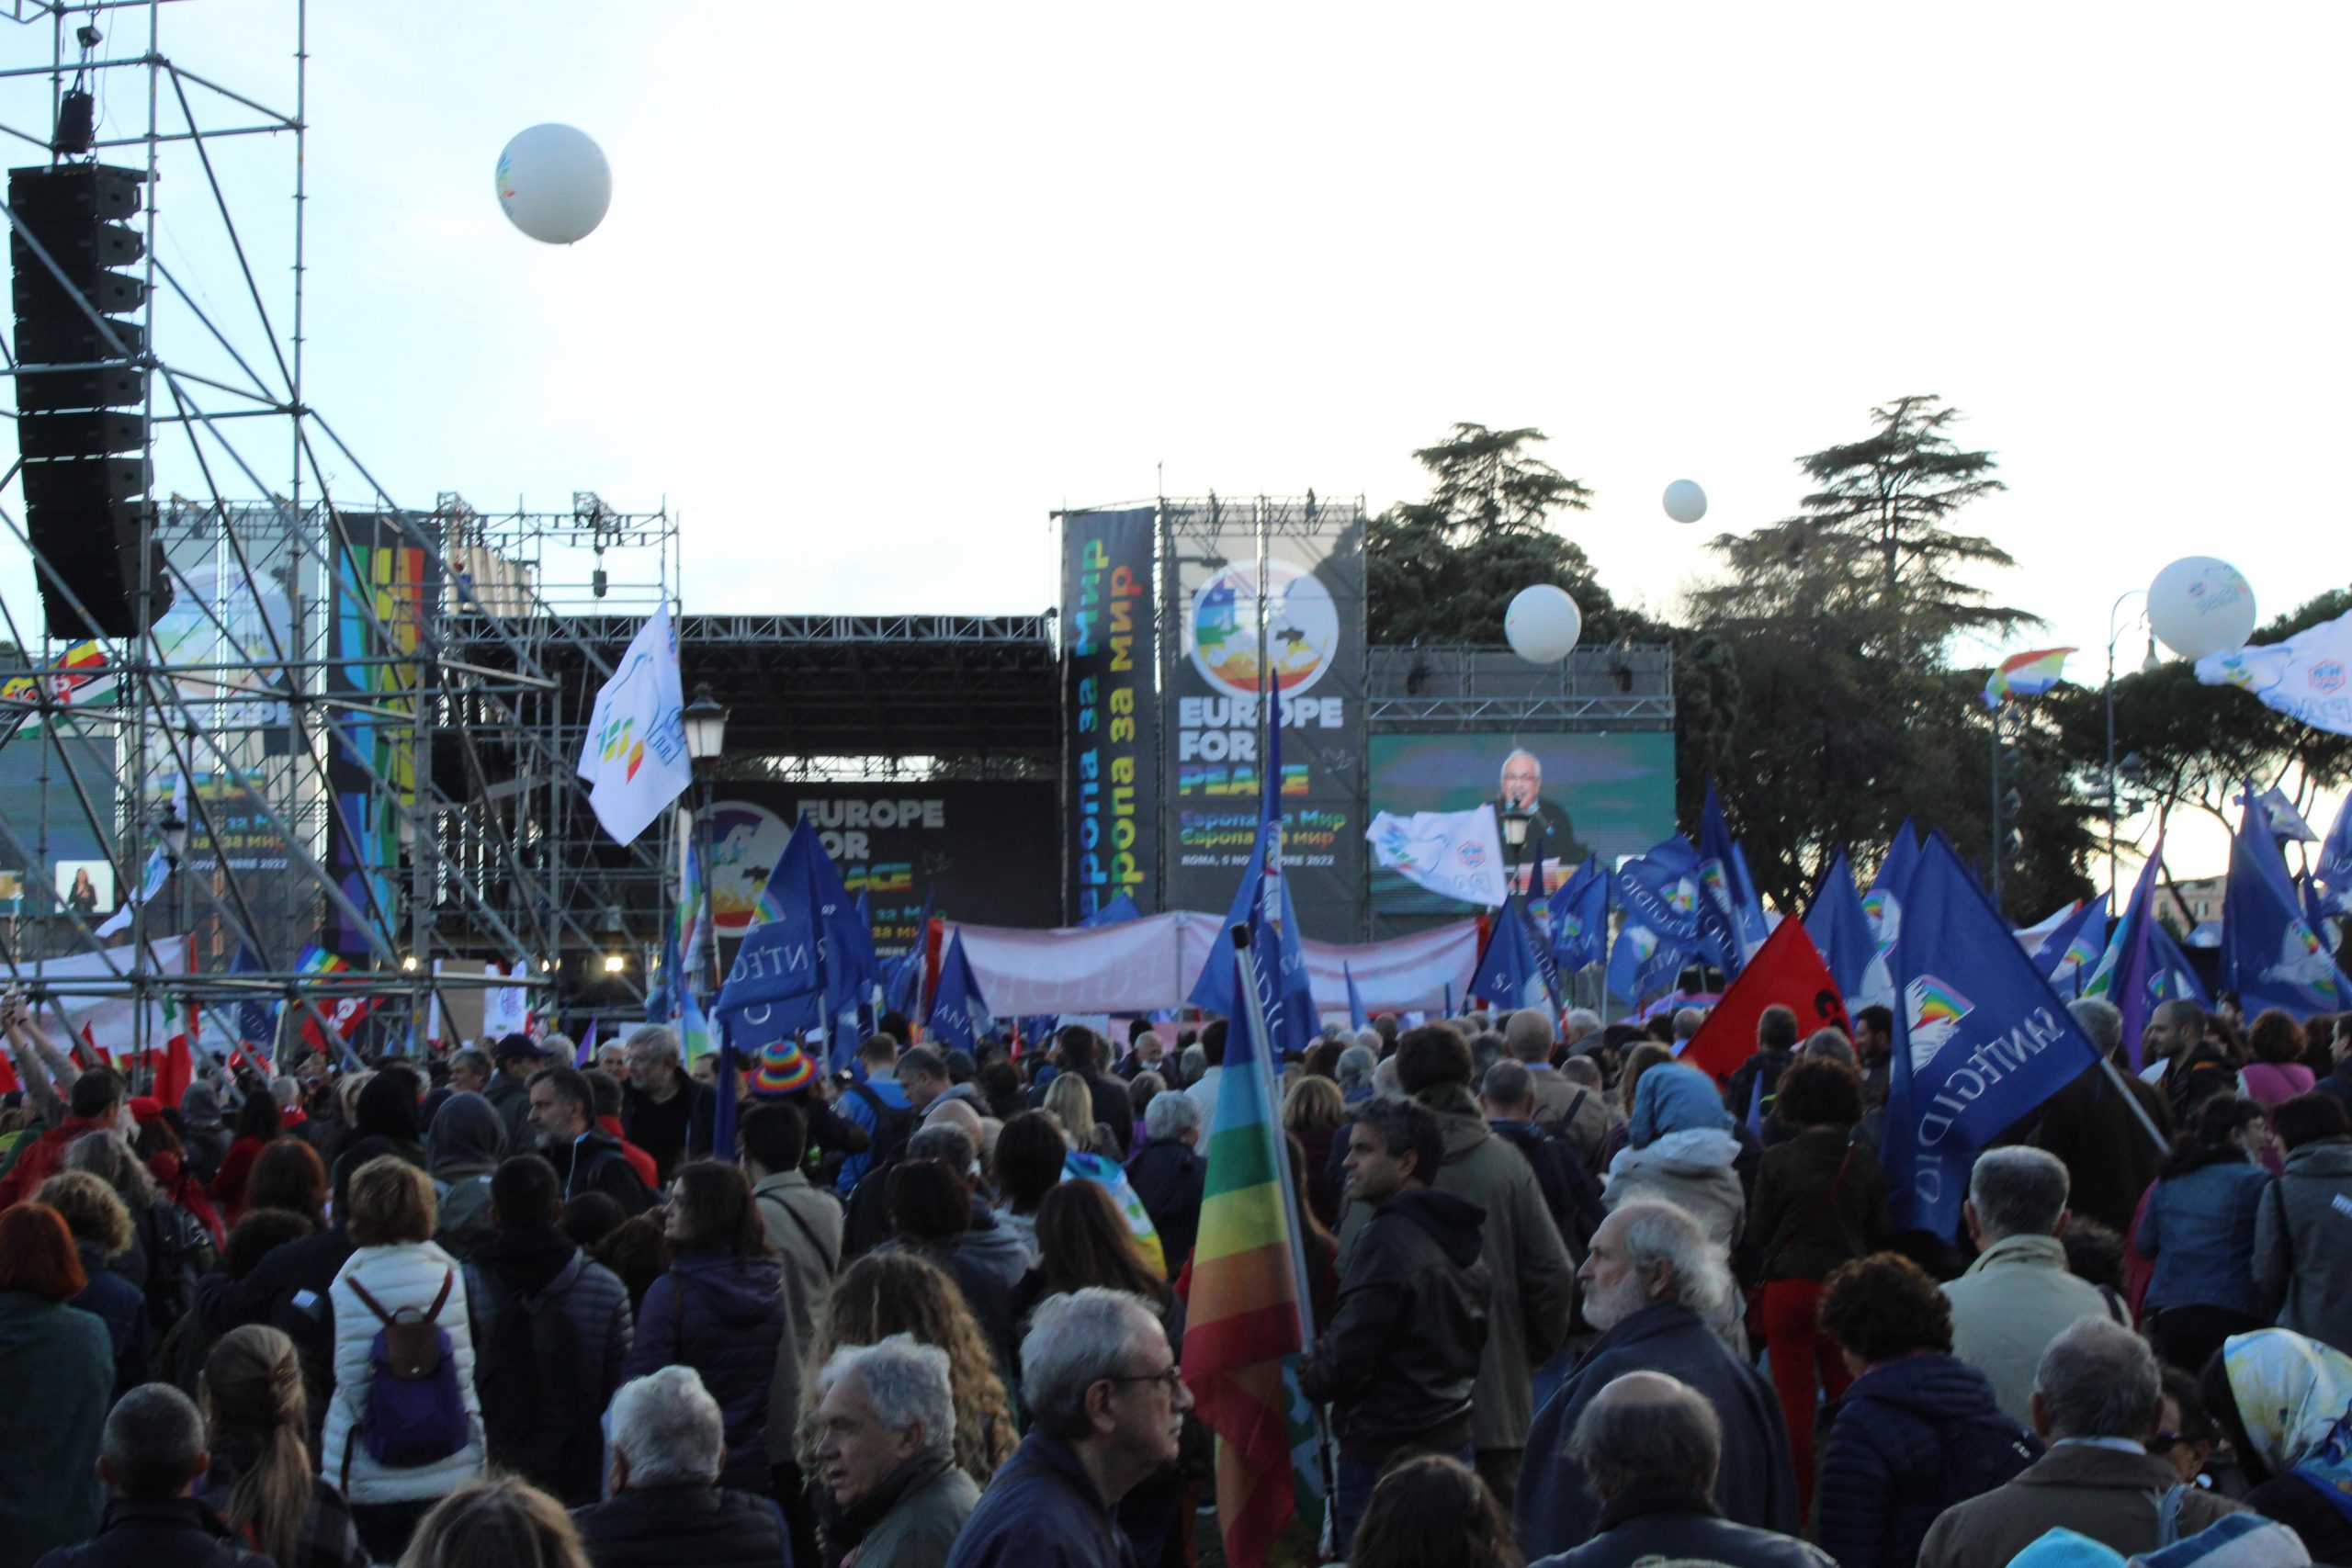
pixel 2300 1230
pixel 202 1133
pixel 1533 1283
pixel 1690 1169
pixel 462 1148
pixel 1753 1484
pixel 724 1317
pixel 1884 1475
pixel 1401 1356
pixel 527 1273
pixel 594 1162
pixel 386 1110
pixel 2199 1226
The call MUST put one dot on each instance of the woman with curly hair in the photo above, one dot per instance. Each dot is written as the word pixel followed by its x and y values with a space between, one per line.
pixel 261 1480
pixel 893 1293
pixel 101 1231
pixel 1918 1430
pixel 1433 1512
pixel 287 1174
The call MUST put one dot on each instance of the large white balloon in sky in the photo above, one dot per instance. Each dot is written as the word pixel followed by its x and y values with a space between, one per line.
pixel 554 184
pixel 1685 502
pixel 1543 624
pixel 2200 606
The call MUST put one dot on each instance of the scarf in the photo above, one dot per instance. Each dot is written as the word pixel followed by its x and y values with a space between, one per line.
pixel 2294 1397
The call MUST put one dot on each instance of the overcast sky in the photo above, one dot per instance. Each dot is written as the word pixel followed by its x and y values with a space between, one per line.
pixel 883 285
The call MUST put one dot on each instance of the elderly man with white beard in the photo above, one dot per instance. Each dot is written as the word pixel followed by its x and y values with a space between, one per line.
pixel 1653 1284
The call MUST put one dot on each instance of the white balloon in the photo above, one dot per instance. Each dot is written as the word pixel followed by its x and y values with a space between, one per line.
pixel 1543 624
pixel 2200 606
pixel 1685 502
pixel 554 184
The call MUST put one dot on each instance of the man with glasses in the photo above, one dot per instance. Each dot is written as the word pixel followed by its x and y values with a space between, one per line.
pixel 662 1109
pixel 1107 1404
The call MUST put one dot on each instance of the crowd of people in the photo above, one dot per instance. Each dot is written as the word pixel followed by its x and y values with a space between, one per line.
pixel 1571 1301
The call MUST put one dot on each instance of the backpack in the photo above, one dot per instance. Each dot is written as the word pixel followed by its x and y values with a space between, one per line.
pixel 179 1253
pixel 893 1126
pixel 1982 1451
pixel 535 1383
pixel 415 1414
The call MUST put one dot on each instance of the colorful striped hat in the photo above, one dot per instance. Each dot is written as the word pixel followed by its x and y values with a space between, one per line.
pixel 783 1068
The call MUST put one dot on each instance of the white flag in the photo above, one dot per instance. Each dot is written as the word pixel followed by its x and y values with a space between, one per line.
pixel 2309 676
pixel 635 755
pixel 1458 854
pixel 158 870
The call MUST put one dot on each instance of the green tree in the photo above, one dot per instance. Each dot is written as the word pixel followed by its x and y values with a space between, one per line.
pixel 1442 570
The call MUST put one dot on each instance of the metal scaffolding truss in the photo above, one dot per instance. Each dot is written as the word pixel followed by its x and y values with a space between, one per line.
pixel 1441 689
pixel 374 703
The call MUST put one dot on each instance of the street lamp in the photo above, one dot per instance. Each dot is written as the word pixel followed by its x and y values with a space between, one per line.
pixel 173 830
pixel 1516 817
pixel 706 722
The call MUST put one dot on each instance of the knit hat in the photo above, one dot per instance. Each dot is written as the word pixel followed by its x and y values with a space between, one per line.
pixel 783 1068
pixel 146 1108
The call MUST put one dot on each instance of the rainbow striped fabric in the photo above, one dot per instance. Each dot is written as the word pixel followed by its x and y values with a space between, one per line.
pixel 1245 1328
pixel 2026 674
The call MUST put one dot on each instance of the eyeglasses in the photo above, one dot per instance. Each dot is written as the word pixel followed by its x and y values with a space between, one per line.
pixel 2164 1443
pixel 1173 1377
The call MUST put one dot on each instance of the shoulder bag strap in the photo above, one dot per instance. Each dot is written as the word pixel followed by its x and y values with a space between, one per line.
pixel 794 1216
pixel 372 1304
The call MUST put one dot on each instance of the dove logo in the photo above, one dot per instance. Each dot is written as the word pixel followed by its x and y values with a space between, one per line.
pixel 1934 1010
pixel 1683 897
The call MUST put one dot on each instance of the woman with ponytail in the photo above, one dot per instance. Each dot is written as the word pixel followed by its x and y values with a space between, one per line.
pixel 261 1480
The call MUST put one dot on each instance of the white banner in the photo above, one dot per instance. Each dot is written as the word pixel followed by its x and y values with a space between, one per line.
pixel 635 753
pixel 110 1019
pixel 2309 676
pixel 1457 853
pixel 1142 965
pixel 505 1010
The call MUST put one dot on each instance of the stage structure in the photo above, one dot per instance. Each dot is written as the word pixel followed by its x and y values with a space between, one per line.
pixel 328 716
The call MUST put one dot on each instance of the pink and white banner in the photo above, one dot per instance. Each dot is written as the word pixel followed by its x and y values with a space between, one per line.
pixel 1140 966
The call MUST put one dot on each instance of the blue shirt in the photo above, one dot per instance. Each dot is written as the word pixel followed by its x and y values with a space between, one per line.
pixel 853 1105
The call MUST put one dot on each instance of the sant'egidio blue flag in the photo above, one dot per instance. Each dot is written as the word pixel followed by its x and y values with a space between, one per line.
pixel 959 1014
pixel 2335 865
pixel 1262 903
pixel 1580 918
pixel 2069 953
pixel 1724 879
pixel 2271 955
pixel 1884 907
pixel 1980 1041
pixel 1839 930
pixel 1509 977
pixel 1660 891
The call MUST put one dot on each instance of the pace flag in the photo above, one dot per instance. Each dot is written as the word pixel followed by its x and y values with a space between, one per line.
pixel 1580 918
pixel 1508 977
pixel 634 757
pixel 2270 956
pixel 1458 854
pixel 1661 891
pixel 2308 676
pixel 1262 903
pixel 1840 932
pixel 1980 1041
pixel 1245 1321
pixel 1787 971
pixel 2026 674
pixel 959 1014
pixel 2073 951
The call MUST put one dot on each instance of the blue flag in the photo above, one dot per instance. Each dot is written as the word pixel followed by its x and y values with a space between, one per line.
pixel 1507 977
pixel 959 1014
pixel 722 1109
pixel 1580 918
pixel 2333 868
pixel 1884 907
pixel 1641 963
pixel 1723 877
pixel 805 895
pixel 1262 903
pixel 1980 1041
pixel 2270 956
pixel 1358 1019
pixel 1840 932
pixel 253 1019
pixel 1660 891
pixel 2070 952
pixel 2126 967
pixel 902 975
pixel 1117 912
pixel 2171 977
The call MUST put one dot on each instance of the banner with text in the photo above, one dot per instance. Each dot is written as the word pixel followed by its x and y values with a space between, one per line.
pixel 1312 638
pixel 1110 712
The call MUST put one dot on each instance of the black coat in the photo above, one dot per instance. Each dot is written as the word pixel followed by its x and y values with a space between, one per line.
pixel 1112 1108
pixel 1401 1356
pixel 1170 1180
pixel 180 1533
pixel 1885 1466
pixel 1680 1527
pixel 1041 1511
pixel 683 1526
pixel 291 1289
pixel 2109 1157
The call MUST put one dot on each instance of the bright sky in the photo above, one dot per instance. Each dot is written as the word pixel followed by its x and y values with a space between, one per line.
pixel 883 285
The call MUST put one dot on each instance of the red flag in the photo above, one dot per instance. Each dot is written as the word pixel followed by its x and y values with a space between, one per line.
pixel 1786 970
pixel 175 1065
pixel 8 1084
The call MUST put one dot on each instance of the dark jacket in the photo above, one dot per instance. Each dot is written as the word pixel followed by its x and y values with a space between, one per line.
pixel 724 1317
pixel 2111 1496
pixel 1667 1522
pixel 1170 1180
pixel 1885 1471
pixel 2302 1508
pixel 1804 1218
pixel 510 1098
pixel 594 1163
pixel 2109 1157
pixel 2296 1255
pixel 1740 1089
pixel 665 1128
pixel 179 1533
pixel 2337 1083
pixel 912 1516
pixel 114 1302
pixel 55 1360
pixel 2199 1226
pixel 1401 1356
pixel 548 1434
pixel 326 1538
pixel 1041 1511
pixel 683 1526
pixel 291 1291
pixel 1754 1485
pixel 1569 1191
pixel 1112 1107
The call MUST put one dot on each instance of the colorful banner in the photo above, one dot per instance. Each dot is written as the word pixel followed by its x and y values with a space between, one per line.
pixel 1109 719
pixel 1313 638
pixel 383 587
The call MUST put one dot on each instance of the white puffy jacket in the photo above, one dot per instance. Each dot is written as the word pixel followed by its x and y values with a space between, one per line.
pixel 408 1275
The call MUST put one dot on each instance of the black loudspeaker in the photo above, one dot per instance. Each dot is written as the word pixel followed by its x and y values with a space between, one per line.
pixel 81 398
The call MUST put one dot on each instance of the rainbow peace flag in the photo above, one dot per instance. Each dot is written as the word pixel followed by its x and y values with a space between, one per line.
pixel 1244 1326
pixel 2026 674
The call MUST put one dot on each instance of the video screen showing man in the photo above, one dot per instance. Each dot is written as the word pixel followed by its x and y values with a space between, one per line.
pixel 1551 834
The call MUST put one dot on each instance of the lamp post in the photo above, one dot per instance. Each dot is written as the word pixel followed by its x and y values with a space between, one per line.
pixel 173 832
pixel 2114 634
pixel 706 724
pixel 1516 818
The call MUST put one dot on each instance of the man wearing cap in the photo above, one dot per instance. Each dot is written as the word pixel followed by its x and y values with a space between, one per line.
pixel 563 1114
pixel 518 1058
